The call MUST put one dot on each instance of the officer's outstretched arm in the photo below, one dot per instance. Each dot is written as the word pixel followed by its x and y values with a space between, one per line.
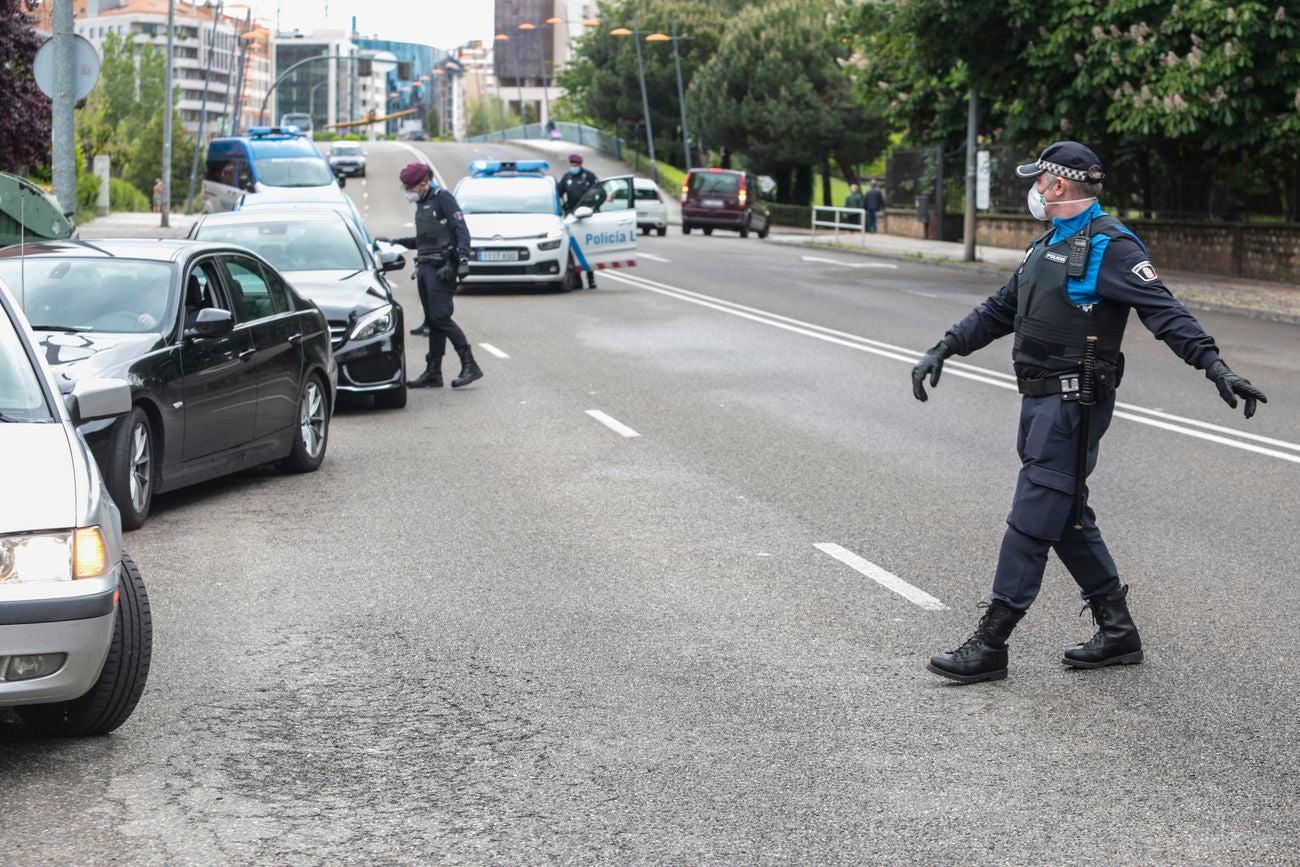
pixel 1231 386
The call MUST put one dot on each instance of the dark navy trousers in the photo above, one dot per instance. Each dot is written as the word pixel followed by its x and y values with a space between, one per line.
pixel 1042 513
pixel 436 297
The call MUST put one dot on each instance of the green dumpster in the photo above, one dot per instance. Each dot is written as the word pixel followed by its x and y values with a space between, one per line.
pixel 29 214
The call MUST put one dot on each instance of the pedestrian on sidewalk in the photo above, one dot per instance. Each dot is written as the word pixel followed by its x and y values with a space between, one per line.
pixel 874 202
pixel 854 199
pixel 1067 304
pixel 157 195
pixel 442 246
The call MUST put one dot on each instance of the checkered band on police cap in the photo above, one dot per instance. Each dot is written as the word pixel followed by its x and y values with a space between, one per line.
pixel 1066 159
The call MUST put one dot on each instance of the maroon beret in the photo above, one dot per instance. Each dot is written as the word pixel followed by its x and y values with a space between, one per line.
pixel 414 173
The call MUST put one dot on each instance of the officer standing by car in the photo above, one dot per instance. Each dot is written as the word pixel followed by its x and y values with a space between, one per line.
pixel 572 187
pixel 442 247
pixel 1068 304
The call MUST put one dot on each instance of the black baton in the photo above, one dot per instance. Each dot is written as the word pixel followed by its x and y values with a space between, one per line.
pixel 1087 396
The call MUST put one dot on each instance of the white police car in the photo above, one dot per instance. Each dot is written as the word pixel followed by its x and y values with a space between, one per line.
pixel 519 233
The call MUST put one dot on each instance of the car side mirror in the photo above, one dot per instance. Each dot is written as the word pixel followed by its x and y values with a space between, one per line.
pixel 391 260
pixel 211 322
pixel 342 179
pixel 93 399
pixel 582 213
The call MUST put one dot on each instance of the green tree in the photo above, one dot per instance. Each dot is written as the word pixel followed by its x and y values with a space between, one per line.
pixel 24 110
pixel 602 79
pixel 144 156
pixel 776 91
pixel 490 114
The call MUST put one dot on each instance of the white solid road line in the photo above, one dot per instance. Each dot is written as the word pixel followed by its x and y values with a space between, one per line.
pixel 885 579
pixel 851 264
pixel 422 157
pixel 612 423
pixel 653 258
pixel 492 350
pixel 1131 412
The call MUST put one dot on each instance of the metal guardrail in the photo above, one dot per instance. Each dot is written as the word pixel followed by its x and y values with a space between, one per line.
pixel 571 132
pixel 856 223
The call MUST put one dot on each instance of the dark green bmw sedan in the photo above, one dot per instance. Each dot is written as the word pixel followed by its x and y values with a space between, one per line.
pixel 229 367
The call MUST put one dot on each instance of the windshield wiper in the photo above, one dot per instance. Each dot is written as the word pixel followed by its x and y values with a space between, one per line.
pixel 10 419
pixel 71 328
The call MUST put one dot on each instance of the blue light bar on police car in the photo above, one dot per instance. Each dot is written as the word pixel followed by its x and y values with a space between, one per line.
pixel 263 131
pixel 479 168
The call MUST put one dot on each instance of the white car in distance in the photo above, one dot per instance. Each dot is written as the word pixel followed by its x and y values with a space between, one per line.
pixel 519 233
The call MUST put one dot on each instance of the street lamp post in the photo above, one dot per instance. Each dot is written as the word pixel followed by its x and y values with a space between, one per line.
pixel 203 107
pixel 645 100
pixel 497 63
pixel 311 98
pixel 541 59
pixel 165 206
pixel 681 96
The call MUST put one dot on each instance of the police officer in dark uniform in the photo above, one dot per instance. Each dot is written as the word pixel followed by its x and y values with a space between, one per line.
pixel 572 186
pixel 442 247
pixel 1068 304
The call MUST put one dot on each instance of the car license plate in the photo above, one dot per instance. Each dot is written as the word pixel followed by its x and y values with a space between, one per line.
pixel 498 255
pixel 712 203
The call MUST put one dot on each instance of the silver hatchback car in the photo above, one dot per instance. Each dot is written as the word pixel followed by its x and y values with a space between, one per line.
pixel 76 633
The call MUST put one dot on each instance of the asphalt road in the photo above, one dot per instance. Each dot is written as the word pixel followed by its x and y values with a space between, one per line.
pixel 494 629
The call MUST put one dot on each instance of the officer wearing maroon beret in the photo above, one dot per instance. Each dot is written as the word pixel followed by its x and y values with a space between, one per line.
pixel 1068 304
pixel 442 245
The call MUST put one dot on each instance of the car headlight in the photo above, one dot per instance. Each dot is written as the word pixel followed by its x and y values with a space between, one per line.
pixel 552 242
pixel 60 556
pixel 377 321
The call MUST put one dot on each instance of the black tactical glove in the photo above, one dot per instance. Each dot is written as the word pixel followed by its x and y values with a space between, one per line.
pixel 932 364
pixel 462 269
pixel 446 273
pixel 1231 386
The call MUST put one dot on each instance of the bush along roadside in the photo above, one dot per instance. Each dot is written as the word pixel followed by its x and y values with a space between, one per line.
pixel 122 196
pixel 790 215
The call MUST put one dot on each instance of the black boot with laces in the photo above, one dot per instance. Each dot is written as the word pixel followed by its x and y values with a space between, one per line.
pixel 984 655
pixel 1117 641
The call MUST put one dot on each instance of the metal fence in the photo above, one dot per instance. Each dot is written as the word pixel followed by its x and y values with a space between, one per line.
pixel 847 219
pixel 571 132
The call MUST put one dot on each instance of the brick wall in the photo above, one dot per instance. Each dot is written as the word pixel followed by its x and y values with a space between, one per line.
pixel 1255 251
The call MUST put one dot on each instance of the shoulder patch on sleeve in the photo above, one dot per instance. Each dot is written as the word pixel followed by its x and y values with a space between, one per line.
pixel 1145 272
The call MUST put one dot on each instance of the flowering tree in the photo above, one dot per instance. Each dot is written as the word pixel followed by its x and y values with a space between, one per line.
pixel 25 118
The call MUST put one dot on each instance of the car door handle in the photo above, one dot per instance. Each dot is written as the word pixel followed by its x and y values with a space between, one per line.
pixel 295 339
pixel 246 354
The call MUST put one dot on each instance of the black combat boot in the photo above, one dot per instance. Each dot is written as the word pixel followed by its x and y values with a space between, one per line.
pixel 421 330
pixel 469 369
pixel 984 655
pixel 432 376
pixel 1117 641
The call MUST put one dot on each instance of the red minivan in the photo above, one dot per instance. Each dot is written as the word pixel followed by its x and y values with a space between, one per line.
pixel 723 199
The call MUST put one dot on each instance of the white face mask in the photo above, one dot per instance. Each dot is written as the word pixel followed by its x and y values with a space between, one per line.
pixel 415 197
pixel 1038 202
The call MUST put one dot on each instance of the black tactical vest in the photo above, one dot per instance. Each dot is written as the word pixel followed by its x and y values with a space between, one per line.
pixel 1051 330
pixel 434 238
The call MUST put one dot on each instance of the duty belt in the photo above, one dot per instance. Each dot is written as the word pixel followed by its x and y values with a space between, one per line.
pixel 1067 384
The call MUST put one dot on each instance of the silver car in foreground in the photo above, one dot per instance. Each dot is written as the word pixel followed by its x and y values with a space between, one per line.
pixel 76 633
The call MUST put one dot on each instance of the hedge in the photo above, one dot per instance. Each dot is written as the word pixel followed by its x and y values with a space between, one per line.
pixel 122 196
pixel 791 215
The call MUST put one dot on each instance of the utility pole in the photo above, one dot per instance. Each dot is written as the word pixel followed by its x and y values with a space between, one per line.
pixel 972 124
pixel 645 105
pixel 203 107
pixel 166 204
pixel 681 98
pixel 63 141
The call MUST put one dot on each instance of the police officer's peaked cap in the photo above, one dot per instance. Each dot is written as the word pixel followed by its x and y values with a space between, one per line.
pixel 1066 159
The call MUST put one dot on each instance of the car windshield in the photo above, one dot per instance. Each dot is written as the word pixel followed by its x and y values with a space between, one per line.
pixel 715 182
pixel 646 193
pixel 293 172
pixel 21 398
pixel 309 245
pixel 65 293
pixel 506 196
pixel 347 150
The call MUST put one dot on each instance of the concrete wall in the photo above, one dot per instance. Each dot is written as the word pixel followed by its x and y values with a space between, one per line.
pixel 1258 251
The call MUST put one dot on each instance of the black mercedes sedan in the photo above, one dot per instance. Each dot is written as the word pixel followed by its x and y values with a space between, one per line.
pixel 320 252
pixel 229 366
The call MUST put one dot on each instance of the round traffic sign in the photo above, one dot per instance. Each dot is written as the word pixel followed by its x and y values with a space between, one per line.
pixel 85 70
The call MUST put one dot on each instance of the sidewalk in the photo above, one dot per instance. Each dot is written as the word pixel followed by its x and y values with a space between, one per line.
pixel 136 225
pixel 1279 302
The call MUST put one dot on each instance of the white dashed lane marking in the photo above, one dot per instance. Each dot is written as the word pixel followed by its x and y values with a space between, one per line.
pixel 652 257
pixel 850 264
pixel 885 579
pixel 612 423
pixel 492 350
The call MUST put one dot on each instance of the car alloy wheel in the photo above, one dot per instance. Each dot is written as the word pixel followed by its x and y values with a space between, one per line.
pixel 141 477
pixel 311 419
